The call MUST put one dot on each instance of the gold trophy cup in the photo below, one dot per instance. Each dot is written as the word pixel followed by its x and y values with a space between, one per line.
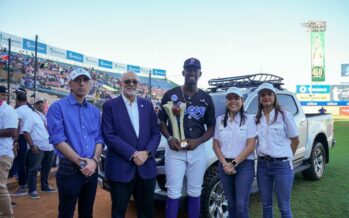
pixel 173 111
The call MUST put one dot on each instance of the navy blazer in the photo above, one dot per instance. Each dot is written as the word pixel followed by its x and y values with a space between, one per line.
pixel 122 142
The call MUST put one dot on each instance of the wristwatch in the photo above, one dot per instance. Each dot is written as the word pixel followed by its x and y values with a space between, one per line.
pixel 149 154
pixel 169 138
pixel 82 164
pixel 234 163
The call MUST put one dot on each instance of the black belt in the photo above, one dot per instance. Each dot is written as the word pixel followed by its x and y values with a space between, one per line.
pixel 229 159
pixel 268 158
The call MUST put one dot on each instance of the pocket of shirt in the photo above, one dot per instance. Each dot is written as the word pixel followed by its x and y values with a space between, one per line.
pixel 277 131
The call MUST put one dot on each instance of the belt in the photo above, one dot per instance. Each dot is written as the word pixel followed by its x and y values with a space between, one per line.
pixel 268 158
pixel 229 159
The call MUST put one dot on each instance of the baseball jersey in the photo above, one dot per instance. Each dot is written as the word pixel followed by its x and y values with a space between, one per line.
pixel 198 113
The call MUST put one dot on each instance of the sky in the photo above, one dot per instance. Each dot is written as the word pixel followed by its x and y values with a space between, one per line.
pixel 229 37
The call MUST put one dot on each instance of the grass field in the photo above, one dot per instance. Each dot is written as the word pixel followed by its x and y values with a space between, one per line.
pixel 326 198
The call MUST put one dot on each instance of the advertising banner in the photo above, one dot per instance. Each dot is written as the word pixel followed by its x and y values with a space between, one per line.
pixel 74 56
pixel 91 61
pixel 30 45
pixel 325 103
pixel 340 93
pixel 314 97
pixel 159 72
pixel 56 52
pixel 135 69
pixel 344 111
pixel 105 64
pixel 15 40
pixel 120 67
pixel 345 70
pixel 314 89
pixel 318 56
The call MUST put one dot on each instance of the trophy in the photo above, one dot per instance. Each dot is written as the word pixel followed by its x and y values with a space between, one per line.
pixel 173 112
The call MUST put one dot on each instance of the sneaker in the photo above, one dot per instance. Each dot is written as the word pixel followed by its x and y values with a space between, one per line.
pixel 34 195
pixel 49 189
pixel 19 192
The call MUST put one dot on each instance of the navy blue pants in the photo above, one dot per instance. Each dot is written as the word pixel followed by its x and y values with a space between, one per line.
pixel 73 186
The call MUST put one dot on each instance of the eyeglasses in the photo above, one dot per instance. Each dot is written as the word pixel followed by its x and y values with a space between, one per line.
pixel 129 81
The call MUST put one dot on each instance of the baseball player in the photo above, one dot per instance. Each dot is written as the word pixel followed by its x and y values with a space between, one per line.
pixel 188 158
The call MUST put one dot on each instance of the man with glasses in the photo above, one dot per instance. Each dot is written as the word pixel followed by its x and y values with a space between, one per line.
pixel 74 128
pixel 132 135
pixel 8 130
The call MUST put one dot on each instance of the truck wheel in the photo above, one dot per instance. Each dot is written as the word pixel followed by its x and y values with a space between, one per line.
pixel 317 162
pixel 213 201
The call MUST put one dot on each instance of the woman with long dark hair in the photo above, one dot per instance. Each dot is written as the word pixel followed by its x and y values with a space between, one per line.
pixel 277 137
pixel 234 142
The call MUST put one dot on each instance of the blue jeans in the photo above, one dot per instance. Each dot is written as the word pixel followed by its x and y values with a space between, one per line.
pixel 73 185
pixel 237 188
pixel 20 161
pixel 278 176
pixel 46 165
pixel 34 163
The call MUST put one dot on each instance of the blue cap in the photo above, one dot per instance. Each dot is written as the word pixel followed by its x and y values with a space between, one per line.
pixel 3 90
pixel 192 63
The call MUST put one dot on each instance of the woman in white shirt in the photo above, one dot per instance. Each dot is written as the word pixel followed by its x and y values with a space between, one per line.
pixel 234 142
pixel 277 136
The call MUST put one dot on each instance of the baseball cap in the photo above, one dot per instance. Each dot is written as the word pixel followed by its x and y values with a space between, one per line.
pixel 21 90
pixel 38 99
pixel 3 90
pixel 268 86
pixel 192 63
pixel 78 72
pixel 234 90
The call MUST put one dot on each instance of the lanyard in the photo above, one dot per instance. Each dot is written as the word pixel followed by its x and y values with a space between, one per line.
pixel 43 120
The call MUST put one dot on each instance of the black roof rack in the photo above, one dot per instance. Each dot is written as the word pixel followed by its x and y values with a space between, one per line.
pixel 245 81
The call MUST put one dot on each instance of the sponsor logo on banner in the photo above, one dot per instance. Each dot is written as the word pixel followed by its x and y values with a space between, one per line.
pixel 340 93
pixel 314 97
pixel 30 45
pixel 159 72
pixel 324 103
pixel 91 60
pixel 74 56
pixel 314 89
pixel 15 41
pixel 57 52
pixel 345 70
pixel 318 56
pixel 135 69
pixel 105 64
pixel 344 111
pixel 119 66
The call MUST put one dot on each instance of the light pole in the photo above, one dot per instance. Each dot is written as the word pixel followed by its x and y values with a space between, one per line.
pixel 316 26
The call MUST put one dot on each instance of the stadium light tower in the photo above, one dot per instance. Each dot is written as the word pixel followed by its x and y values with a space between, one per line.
pixel 317 57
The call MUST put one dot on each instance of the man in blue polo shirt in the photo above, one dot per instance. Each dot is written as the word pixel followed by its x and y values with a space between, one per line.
pixel 74 129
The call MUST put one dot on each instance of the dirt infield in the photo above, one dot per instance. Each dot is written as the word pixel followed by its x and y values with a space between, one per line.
pixel 46 206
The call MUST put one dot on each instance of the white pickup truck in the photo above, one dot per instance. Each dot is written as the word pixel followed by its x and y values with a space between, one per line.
pixel 316 139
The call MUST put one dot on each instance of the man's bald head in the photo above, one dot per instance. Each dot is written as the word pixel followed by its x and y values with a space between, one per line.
pixel 129 85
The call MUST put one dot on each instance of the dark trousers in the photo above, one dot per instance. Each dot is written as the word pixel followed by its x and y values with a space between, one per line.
pixel 34 163
pixel 21 159
pixel 143 193
pixel 73 185
pixel 46 165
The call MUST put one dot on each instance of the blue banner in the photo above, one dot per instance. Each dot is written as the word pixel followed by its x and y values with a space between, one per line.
pixel 30 45
pixel 105 64
pixel 159 72
pixel 135 69
pixel 74 56
pixel 314 89
pixel 325 103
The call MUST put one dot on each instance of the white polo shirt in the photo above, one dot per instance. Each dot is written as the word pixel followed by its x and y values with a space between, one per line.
pixel 8 120
pixel 35 125
pixel 233 138
pixel 274 137
pixel 24 112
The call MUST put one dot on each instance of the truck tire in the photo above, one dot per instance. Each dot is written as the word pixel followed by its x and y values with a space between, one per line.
pixel 317 162
pixel 213 201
